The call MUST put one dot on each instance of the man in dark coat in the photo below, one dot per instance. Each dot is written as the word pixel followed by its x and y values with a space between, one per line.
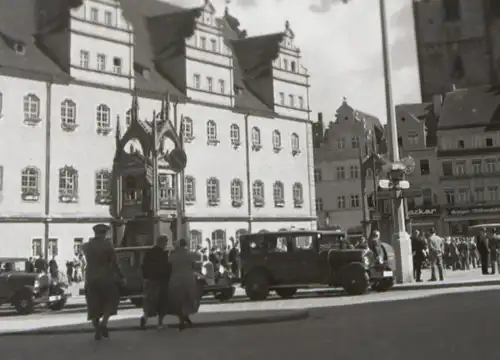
pixel 483 249
pixel 419 250
pixel 493 243
pixel 102 280
pixel 156 272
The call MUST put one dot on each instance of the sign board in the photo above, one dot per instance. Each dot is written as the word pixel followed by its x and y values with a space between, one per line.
pixel 424 211
pixel 474 210
pixel 385 183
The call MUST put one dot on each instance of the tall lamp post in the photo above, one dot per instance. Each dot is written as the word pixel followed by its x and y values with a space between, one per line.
pixel 401 239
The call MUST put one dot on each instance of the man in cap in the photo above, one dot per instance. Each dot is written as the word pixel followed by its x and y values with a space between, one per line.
pixel 102 280
pixel 483 248
pixel 493 243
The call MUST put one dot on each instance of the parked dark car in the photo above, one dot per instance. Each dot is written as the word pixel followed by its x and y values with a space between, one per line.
pixel 130 262
pixel 24 290
pixel 287 261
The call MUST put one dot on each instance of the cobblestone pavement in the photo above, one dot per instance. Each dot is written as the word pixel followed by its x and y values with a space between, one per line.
pixel 455 326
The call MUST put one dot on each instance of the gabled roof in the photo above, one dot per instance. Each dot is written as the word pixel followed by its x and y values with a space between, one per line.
pixel 18 26
pixel 418 111
pixel 143 16
pixel 473 107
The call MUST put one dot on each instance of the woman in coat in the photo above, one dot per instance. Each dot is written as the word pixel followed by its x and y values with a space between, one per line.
pixel 156 272
pixel 183 296
pixel 102 280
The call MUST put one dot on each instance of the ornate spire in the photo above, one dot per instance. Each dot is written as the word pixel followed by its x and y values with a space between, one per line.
pixel 134 111
pixel 344 99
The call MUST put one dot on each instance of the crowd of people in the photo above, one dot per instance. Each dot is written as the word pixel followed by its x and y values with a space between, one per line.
pixel 455 253
pixel 75 269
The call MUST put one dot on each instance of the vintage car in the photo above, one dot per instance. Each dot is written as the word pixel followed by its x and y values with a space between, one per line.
pixel 130 261
pixel 25 290
pixel 287 261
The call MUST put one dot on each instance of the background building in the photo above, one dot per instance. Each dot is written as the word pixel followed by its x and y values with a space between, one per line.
pixel 457 43
pixel 66 75
pixel 337 159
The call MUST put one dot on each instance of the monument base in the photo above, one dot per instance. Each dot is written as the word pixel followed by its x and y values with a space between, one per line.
pixel 404 258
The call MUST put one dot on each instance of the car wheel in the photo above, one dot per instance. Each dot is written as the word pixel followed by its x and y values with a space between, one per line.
pixel 355 280
pixel 23 302
pixel 58 305
pixel 226 294
pixel 137 302
pixel 383 285
pixel 286 293
pixel 257 286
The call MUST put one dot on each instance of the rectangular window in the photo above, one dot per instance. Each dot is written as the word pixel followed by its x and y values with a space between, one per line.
pixel 489 142
pixel 282 98
pixel 117 65
pixel 222 86
pixel 461 144
pixel 291 100
pixel 478 194
pixel 319 205
pixel 355 201
pixel 354 172
pixel 341 143
pixel 77 245
pixel 355 142
pixel 94 15
pixel 424 167
pixel 427 197
pixel 101 62
pixel 463 195
pixel 196 81
pixel 490 166
pixel 413 139
pixel 36 248
pixel 203 42
pixel 84 59
pixel 108 18
pixel 460 168
pixel 451 10
pixel 285 64
pixel 450 196
pixel 340 173
pixel 493 193
pixel 301 102
pixel 317 175
pixel 341 202
pixel 210 84
pixel 213 42
pixel 477 166
pixel 53 248
pixel 478 141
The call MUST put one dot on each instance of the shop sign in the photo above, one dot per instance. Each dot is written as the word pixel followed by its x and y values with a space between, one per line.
pixel 424 211
pixel 478 210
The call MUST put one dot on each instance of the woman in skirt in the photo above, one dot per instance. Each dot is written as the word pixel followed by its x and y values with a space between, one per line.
pixel 102 280
pixel 183 298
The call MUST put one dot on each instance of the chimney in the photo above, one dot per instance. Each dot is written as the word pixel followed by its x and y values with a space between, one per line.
pixel 320 118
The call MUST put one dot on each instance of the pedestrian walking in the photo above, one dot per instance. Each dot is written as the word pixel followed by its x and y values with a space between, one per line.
pixel 493 243
pixel 156 272
pixel 54 268
pixel 419 250
pixel 483 249
pixel 102 281
pixel 183 297
pixel 436 250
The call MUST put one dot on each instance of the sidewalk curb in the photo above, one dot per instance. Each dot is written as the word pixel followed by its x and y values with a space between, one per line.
pixel 291 315
pixel 440 285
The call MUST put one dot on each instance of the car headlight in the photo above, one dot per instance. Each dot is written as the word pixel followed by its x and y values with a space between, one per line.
pixel 203 270
pixel 36 284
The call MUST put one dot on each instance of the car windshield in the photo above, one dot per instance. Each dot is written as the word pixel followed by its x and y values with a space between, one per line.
pixel 125 258
pixel 329 241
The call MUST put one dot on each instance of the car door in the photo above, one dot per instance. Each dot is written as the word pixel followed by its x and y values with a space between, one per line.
pixel 280 259
pixel 307 258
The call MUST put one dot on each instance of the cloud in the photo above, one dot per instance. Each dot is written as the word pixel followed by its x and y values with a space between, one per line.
pixel 325 6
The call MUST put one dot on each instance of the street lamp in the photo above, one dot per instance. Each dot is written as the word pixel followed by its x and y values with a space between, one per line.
pixel 401 239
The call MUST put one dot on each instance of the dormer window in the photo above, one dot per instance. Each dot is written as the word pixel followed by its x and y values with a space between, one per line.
pixel 19 48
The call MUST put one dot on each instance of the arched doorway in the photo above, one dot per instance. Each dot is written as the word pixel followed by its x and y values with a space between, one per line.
pixel 219 239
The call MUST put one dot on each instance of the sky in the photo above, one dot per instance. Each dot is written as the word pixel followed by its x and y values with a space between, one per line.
pixel 340 46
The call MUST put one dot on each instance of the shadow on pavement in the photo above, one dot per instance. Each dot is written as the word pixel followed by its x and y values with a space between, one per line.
pixel 201 320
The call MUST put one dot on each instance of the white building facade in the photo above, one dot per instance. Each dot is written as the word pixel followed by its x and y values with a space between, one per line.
pixel 248 169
